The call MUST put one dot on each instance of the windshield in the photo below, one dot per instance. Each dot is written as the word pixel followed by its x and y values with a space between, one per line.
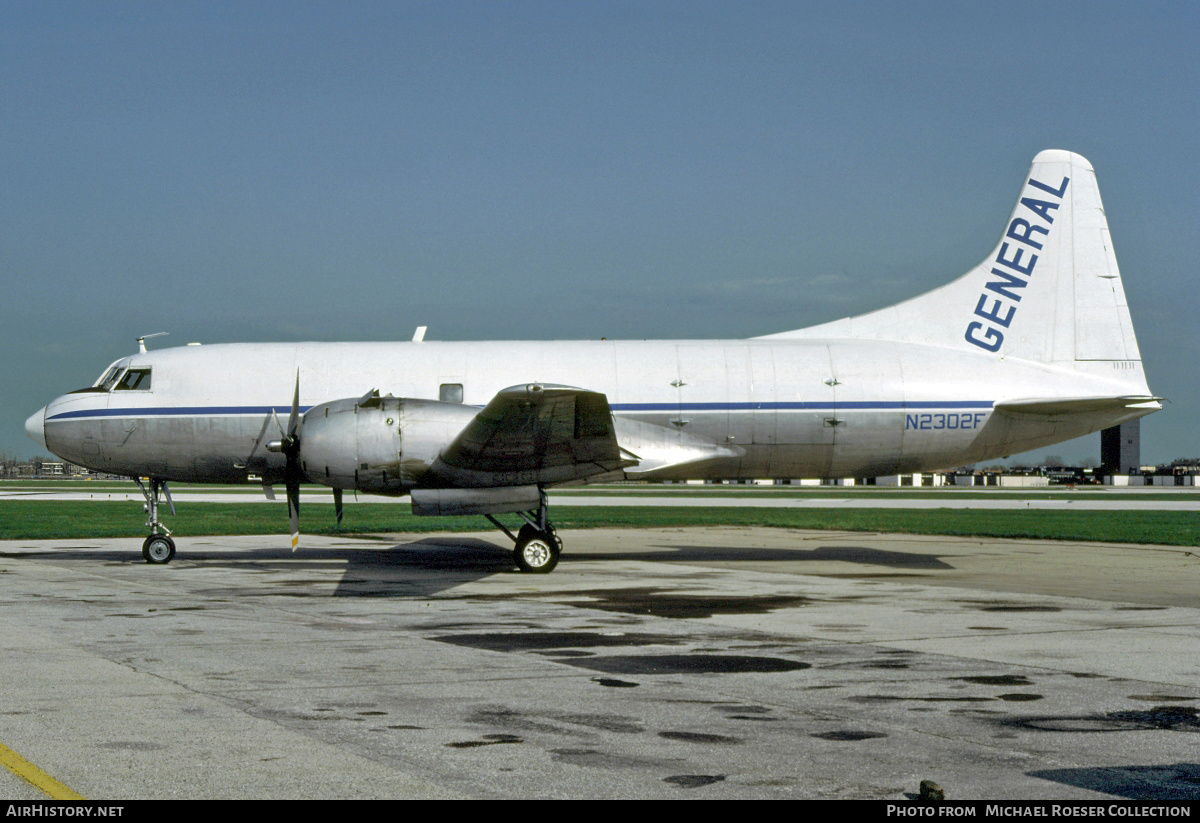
pixel 135 380
pixel 109 379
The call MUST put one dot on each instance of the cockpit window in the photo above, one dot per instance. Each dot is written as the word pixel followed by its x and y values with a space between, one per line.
pixel 109 379
pixel 134 380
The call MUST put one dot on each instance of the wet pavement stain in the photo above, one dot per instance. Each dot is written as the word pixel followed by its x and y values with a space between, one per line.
pixel 1019 697
pixel 1177 718
pixel 488 740
pixel 998 680
pixel 542 641
pixel 888 698
pixel 848 735
pixel 1166 718
pixel 701 737
pixel 613 683
pixel 741 712
pixel 694 781
pixel 565 653
pixel 554 723
pixel 657 602
pixel 593 758
pixel 688 664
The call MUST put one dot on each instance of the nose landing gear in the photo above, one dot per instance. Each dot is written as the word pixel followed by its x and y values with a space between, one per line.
pixel 158 548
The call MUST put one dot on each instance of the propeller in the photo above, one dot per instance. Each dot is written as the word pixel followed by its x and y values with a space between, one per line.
pixel 292 473
pixel 289 446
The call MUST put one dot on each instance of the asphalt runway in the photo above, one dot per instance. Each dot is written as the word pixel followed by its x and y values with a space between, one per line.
pixel 668 663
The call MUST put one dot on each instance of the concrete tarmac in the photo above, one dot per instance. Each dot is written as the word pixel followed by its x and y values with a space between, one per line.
pixel 658 663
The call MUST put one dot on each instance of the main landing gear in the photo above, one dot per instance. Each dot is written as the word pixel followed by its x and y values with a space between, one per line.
pixel 537 544
pixel 158 548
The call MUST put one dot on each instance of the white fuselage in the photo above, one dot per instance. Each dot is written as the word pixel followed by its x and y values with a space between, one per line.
pixel 785 408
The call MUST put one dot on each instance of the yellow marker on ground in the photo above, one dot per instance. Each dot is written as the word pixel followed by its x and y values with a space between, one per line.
pixel 34 776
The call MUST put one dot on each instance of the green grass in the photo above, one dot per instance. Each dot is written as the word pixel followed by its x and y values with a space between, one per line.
pixel 44 519
pixel 100 487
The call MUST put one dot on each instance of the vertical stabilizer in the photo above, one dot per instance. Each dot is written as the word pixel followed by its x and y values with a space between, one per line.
pixel 1049 292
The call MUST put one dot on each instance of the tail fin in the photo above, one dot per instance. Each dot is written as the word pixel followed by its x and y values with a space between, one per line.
pixel 1049 292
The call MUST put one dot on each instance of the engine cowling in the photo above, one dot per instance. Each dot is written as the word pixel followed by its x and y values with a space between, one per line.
pixel 383 445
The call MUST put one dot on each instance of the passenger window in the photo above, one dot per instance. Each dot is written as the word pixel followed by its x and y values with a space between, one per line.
pixel 135 380
pixel 450 393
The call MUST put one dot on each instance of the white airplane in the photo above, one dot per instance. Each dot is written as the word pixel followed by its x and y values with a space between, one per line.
pixel 1031 347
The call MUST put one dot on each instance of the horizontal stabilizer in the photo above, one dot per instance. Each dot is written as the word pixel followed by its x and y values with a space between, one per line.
pixel 1077 405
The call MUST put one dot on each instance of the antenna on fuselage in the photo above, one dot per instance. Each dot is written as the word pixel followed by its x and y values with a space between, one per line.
pixel 141 341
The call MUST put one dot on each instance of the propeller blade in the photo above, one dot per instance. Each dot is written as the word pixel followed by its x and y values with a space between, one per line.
pixel 293 499
pixel 292 473
pixel 337 504
pixel 294 419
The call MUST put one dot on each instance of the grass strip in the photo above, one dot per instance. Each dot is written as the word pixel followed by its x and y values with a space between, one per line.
pixel 55 520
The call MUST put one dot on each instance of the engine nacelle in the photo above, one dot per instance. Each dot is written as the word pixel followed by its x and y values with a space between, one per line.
pixel 382 445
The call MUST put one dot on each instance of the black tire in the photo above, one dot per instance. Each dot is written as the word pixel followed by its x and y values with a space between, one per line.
pixel 536 553
pixel 528 532
pixel 158 549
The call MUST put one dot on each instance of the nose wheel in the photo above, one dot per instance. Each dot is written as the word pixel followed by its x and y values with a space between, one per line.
pixel 158 549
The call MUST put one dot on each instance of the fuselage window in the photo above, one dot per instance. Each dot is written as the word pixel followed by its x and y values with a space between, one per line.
pixel 450 393
pixel 135 380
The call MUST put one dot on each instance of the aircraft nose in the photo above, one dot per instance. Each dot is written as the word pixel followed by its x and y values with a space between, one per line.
pixel 35 427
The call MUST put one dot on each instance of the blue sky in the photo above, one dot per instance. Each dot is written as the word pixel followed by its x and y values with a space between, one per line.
pixel 496 170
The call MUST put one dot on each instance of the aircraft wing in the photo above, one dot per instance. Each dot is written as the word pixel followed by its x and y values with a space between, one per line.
pixel 534 434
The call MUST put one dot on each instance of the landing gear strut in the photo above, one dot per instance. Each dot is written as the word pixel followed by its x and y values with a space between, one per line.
pixel 537 544
pixel 158 548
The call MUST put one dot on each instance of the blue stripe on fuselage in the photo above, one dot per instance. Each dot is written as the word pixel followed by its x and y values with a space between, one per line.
pixel 176 411
pixel 227 411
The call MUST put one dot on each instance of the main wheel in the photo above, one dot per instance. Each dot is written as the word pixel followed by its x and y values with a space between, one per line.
pixel 158 549
pixel 536 552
